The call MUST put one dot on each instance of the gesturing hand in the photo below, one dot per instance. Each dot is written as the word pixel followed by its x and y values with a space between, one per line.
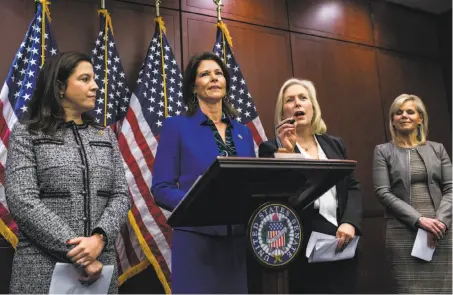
pixel 87 249
pixel 287 134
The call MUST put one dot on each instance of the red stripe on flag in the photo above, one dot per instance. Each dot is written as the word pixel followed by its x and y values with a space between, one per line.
pixel 4 129
pixel 140 139
pixel 118 263
pixel 2 174
pixel 256 135
pixel 153 209
pixel 8 219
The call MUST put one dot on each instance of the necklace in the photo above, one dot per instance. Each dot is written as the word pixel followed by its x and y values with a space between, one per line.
pixel 304 148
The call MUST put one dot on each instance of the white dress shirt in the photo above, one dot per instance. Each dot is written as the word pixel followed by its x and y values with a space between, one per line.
pixel 327 203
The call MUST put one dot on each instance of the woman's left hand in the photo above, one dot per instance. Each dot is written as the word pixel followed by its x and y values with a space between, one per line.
pixel 345 233
pixel 87 249
pixel 432 240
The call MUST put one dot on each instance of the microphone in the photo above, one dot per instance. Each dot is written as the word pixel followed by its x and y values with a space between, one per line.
pixel 291 121
pixel 277 139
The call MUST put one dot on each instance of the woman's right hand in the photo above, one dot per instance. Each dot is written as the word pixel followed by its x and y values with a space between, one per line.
pixel 433 226
pixel 287 134
pixel 92 272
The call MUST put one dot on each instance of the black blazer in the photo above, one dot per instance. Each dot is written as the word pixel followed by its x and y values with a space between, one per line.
pixel 348 190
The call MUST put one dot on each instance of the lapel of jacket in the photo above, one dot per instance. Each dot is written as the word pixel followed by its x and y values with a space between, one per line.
pixel 328 147
pixel 425 152
pixel 239 139
pixel 203 136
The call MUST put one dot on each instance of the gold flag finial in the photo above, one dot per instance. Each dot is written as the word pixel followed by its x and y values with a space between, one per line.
pixel 219 9
pixel 157 8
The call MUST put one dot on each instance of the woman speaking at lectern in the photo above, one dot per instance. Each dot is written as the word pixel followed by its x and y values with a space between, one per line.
pixel 206 259
pixel 300 129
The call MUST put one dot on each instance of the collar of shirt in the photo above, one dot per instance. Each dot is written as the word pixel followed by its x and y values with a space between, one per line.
pixel 225 119
pixel 321 154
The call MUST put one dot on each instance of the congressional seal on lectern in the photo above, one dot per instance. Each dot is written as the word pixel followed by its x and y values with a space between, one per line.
pixel 275 234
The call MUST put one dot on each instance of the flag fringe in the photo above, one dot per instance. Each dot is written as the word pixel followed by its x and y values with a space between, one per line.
pixel 45 14
pixel 108 20
pixel 149 254
pixel 132 272
pixel 10 236
pixel 45 8
pixel 161 23
pixel 225 32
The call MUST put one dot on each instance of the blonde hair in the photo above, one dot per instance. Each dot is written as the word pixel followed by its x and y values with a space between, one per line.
pixel 422 129
pixel 317 123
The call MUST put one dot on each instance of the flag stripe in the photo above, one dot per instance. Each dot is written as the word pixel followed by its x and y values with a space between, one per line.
pixel 143 189
pixel 148 210
pixel 129 249
pixel 139 138
pixel 154 256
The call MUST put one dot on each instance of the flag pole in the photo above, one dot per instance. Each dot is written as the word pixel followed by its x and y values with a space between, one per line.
pixel 219 9
pixel 157 8
pixel 108 25
pixel 160 23
pixel 223 27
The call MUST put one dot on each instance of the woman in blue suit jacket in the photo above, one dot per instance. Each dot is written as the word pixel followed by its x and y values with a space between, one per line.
pixel 204 259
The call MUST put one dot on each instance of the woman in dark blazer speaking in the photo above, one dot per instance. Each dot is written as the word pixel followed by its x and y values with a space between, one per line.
pixel 300 129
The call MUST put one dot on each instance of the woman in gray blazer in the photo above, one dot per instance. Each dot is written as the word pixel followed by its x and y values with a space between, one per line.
pixel 412 179
pixel 65 182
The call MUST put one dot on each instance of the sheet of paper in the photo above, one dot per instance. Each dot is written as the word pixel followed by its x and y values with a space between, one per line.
pixel 289 156
pixel 421 249
pixel 322 247
pixel 65 280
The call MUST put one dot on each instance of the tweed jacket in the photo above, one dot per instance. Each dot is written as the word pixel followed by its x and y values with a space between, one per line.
pixel 59 187
pixel 392 183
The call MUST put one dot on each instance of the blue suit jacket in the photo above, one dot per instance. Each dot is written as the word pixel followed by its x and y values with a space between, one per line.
pixel 200 263
pixel 186 149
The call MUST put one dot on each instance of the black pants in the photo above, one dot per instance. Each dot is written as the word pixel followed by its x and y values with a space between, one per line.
pixel 323 277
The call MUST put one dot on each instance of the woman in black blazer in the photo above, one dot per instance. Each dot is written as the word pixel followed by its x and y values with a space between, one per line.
pixel 339 211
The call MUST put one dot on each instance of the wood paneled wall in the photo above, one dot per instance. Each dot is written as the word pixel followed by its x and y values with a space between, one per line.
pixel 360 54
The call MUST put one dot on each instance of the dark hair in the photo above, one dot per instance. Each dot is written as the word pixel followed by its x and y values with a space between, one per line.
pixel 45 111
pixel 190 75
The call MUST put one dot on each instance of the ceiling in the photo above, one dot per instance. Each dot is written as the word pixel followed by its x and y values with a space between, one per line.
pixel 431 6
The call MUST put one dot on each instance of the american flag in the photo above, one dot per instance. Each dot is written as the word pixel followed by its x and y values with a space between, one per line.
pixel 112 98
pixel 157 95
pixel 239 95
pixel 275 229
pixel 17 92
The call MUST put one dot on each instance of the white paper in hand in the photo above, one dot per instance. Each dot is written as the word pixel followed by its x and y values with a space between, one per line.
pixel 421 249
pixel 322 248
pixel 65 280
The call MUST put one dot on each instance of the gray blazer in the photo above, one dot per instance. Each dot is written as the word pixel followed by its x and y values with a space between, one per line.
pixel 391 178
pixel 60 187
